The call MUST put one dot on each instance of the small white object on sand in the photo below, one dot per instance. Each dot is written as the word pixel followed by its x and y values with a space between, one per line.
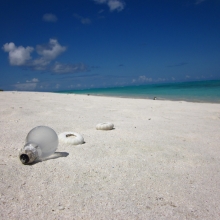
pixel 105 126
pixel 71 138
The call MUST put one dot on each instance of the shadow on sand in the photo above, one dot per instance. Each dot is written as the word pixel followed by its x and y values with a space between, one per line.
pixel 53 156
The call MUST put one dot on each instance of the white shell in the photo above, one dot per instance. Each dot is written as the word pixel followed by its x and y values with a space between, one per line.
pixel 70 137
pixel 105 126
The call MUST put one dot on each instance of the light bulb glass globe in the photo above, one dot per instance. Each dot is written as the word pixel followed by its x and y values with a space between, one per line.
pixel 41 142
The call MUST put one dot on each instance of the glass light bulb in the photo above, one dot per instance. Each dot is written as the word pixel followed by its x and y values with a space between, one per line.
pixel 41 142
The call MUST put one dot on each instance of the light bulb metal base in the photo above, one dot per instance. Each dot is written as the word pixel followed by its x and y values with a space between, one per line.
pixel 29 153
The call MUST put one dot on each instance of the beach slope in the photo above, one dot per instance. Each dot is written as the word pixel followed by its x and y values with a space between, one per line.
pixel 161 160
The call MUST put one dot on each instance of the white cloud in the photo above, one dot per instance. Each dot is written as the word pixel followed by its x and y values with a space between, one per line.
pixel 32 80
pixel 29 85
pixel 68 68
pixel 18 56
pixel 39 63
pixel 51 50
pixel 144 79
pixel 82 19
pixel 49 17
pixel 25 86
pixel 48 52
pixel 112 4
pixel 116 5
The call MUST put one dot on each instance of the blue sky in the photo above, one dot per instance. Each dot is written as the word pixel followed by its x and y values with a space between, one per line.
pixel 62 45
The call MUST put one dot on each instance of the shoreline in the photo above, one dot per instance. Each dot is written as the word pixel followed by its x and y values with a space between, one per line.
pixel 124 97
pixel 144 98
pixel 162 160
pixel 157 98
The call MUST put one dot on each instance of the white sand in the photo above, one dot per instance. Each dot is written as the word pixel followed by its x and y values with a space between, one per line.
pixel 162 160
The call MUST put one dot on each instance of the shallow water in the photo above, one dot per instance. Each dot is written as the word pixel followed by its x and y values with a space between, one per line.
pixel 199 91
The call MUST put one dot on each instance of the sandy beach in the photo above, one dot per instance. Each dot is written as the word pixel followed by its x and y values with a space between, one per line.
pixel 162 160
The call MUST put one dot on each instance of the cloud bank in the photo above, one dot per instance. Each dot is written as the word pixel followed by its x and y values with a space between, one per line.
pixel 68 68
pixel 112 4
pixel 142 79
pixel 29 85
pixel 21 56
pixel 49 18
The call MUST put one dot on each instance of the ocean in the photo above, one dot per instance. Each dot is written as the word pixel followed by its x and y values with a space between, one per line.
pixel 199 91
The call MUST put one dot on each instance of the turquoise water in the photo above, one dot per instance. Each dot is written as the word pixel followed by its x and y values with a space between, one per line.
pixel 200 91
